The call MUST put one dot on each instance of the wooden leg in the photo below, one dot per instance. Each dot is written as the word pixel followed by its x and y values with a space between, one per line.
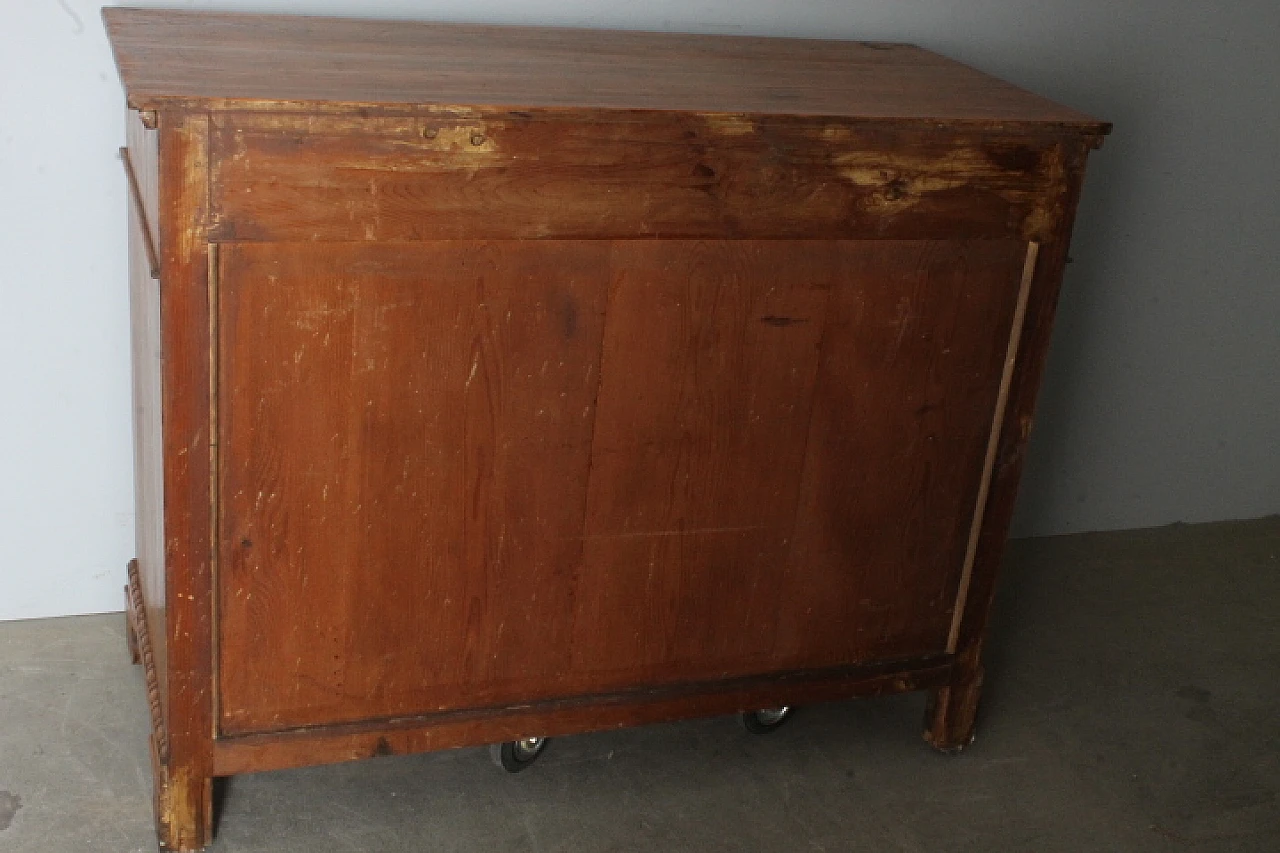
pixel 131 633
pixel 950 719
pixel 184 810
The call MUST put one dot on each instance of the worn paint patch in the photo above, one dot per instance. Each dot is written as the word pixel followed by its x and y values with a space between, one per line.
pixel 899 181
pixel 729 124
pixel 9 805
pixel 466 139
pixel 904 177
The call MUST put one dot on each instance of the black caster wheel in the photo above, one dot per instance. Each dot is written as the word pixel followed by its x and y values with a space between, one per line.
pixel 516 755
pixel 765 720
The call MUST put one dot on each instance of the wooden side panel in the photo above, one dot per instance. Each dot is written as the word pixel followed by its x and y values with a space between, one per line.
pixel 470 174
pixel 405 435
pixel 910 372
pixel 148 450
pixel 709 363
pixel 1033 349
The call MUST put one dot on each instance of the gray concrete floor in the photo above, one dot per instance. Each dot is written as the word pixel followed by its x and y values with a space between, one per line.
pixel 1133 704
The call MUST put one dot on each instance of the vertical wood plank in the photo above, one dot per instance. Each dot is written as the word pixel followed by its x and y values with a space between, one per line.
pixel 405 431
pixel 708 369
pixel 185 796
pixel 911 366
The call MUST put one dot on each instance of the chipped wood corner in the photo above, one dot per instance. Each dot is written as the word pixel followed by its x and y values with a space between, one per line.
pixel 183 809
pixel 150 119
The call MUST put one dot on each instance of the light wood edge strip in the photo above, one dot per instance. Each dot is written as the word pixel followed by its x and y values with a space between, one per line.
pixel 214 477
pixel 993 442
pixel 141 631
pixel 551 718
pixel 135 193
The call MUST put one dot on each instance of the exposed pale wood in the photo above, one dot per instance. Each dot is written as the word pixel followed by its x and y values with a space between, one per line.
pixel 550 175
pixel 166 54
pixel 997 422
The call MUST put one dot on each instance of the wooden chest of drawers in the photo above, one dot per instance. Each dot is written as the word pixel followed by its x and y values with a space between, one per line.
pixel 502 382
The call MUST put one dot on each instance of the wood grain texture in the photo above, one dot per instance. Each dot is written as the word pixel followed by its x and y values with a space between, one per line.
pixel 184 787
pixel 1015 431
pixel 710 355
pixel 573 466
pixel 165 55
pixel 993 441
pixel 910 371
pixel 538 174
pixel 336 743
pixel 407 433
pixel 504 382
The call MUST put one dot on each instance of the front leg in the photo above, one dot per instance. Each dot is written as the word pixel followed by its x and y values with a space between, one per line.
pixel 184 809
pixel 951 716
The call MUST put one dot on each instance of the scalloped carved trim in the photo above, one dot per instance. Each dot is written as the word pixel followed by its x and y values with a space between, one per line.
pixel 142 634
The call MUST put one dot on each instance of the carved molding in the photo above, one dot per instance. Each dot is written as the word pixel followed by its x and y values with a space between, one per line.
pixel 138 618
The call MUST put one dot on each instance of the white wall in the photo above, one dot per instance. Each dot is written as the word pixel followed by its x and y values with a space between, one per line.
pixel 1161 402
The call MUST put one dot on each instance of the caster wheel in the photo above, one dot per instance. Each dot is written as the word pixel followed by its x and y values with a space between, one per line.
pixel 765 720
pixel 516 755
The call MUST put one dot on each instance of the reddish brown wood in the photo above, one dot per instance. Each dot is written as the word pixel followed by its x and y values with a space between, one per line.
pixel 299 747
pixel 950 719
pixel 406 434
pixel 911 366
pixel 1033 349
pixel 522 400
pixel 167 55
pixel 710 352
pixel 952 713
pixel 184 787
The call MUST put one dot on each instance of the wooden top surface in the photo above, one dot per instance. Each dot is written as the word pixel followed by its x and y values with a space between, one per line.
pixel 168 56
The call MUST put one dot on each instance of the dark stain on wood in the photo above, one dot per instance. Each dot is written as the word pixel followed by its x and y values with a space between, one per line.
pixel 782 322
